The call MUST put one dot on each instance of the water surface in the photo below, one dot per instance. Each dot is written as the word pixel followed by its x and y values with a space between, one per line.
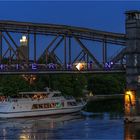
pixel 70 126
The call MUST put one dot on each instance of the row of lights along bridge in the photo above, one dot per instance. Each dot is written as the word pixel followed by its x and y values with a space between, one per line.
pixel 52 66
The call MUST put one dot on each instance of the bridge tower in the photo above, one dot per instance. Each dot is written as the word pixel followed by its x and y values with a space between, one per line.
pixel 133 59
pixel 133 50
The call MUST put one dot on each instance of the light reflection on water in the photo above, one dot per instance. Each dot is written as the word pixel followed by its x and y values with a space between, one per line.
pixel 70 126
pixel 132 131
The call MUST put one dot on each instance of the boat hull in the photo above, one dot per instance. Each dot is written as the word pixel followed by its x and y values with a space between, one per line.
pixel 42 112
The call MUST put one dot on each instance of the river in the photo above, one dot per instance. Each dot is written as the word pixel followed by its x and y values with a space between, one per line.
pixel 75 126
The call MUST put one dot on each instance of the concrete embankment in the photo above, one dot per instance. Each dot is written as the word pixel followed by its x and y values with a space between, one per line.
pixel 104 97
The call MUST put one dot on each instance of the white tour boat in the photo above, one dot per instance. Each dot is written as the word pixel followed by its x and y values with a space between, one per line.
pixel 30 104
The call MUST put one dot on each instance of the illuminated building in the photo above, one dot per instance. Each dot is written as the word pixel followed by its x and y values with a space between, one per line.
pixel 23 48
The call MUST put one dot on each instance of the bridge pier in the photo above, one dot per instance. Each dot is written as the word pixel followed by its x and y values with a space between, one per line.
pixel 132 108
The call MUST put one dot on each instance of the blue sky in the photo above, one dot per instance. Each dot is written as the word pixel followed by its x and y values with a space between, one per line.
pixel 102 15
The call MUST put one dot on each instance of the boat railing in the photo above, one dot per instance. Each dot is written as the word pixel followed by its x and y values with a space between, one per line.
pixel 18 99
pixel 31 99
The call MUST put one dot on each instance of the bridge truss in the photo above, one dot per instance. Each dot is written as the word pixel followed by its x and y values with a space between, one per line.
pixel 13 60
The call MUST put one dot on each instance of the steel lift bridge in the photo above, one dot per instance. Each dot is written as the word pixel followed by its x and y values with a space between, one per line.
pixel 38 48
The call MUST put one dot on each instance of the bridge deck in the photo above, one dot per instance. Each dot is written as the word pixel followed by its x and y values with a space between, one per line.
pixel 60 72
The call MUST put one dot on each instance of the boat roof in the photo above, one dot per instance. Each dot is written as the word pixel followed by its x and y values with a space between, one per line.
pixel 39 92
pixel 33 92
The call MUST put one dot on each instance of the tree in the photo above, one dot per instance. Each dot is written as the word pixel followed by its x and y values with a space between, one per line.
pixel 11 85
pixel 69 84
pixel 106 84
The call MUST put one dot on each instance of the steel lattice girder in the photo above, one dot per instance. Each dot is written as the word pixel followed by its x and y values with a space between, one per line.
pixel 53 29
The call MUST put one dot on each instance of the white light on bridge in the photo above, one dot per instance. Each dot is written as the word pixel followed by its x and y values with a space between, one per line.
pixel 23 41
pixel 80 66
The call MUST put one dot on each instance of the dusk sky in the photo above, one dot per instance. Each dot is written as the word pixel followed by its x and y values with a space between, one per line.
pixel 103 15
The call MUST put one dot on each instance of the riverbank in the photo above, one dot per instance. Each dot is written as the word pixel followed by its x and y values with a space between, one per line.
pixel 108 105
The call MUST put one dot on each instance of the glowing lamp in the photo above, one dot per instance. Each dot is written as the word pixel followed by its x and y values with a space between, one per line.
pixel 130 97
pixel 80 66
pixel 23 40
pixel 129 92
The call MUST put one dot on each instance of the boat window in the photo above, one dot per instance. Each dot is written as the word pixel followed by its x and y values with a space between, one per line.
pixel 56 95
pixel 2 98
pixel 39 96
pixel 52 105
pixel 68 97
pixel 41 105
pixel 34 97
pixel 35 106
pixel 30 95
pixel 59 104
pixel 25 96
pixel 62 103
pixel 46 105
pixel 72 103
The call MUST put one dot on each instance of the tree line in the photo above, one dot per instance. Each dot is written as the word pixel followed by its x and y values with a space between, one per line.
pixel 11 85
